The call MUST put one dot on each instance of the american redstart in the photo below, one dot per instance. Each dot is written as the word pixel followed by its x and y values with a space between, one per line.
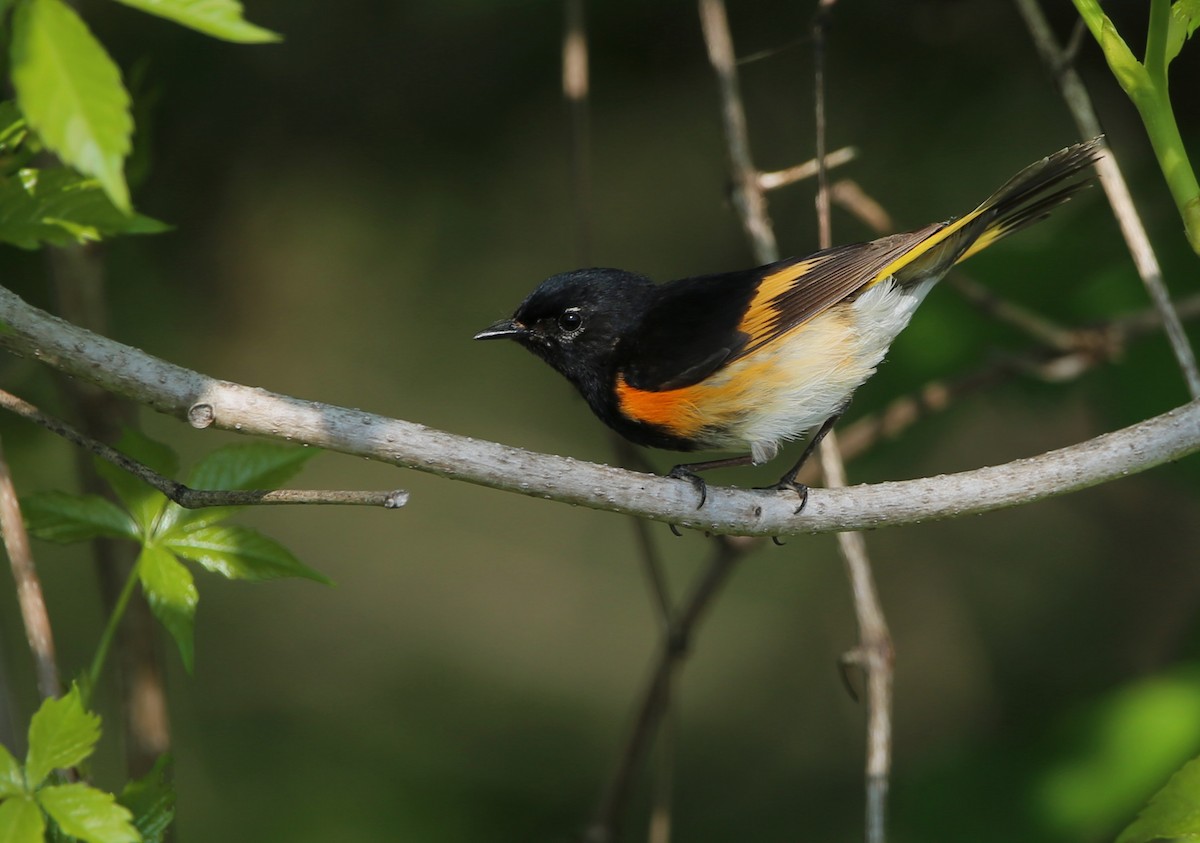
pixel 750 359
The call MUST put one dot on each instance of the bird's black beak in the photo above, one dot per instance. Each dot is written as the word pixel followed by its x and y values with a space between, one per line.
pixel 505 328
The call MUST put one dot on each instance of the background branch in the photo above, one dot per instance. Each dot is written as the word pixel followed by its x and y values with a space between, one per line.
pixel 29 588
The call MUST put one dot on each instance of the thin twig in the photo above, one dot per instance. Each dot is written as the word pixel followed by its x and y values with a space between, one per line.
pixel 29 588
pixel 1079 103
pixel 848 194
pixel 775 179
pixel 576 88
pixel 726 554
pixel 874 651
pixel 188 497
pixel 747 196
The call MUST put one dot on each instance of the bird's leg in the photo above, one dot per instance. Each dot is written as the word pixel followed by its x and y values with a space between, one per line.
pixel 788 481
pixel 688 472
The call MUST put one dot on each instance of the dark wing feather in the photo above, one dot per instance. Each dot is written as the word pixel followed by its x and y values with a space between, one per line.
pixel 794 291
pixel 689 331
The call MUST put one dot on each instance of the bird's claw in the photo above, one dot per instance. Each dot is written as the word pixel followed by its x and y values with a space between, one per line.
pixel 682 472
pixel 787 484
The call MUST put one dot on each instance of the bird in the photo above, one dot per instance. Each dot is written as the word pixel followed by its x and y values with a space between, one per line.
pixel 748 360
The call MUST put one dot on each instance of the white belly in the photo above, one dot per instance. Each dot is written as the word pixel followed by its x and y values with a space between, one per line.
pixel 809 375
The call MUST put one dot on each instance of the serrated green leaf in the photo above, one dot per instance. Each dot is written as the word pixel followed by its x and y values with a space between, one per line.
pixel 1173 813
pixel 1185 18
pixel 64 518
pixel 21 821
pixel 239 553
pixel 88 814
pixel 172 595
pixel 218 18
pixel 12 779
pixel 60 207
pixel 70 91
pixel 252 465
pixel 61 734
pixel 144 502
pixel 151 800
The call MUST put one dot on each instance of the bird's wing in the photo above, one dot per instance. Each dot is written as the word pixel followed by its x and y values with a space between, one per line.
pixel 792 292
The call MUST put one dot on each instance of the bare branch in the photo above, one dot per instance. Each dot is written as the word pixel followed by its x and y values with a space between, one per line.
pixel 874 650
pixel 180 392
pixel 747 196
pixel 776 179
pixel 727 553
pixel 1079 102
pixel 29 588
pixel 188 497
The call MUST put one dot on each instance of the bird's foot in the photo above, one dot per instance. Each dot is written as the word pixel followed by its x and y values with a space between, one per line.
pixel 682 472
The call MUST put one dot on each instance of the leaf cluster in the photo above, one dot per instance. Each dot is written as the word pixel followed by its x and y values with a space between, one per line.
pixel 65 140
pixel 169 534
pixel 62 735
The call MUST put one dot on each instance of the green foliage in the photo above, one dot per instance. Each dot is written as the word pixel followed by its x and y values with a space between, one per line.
pixel 21 821
pixel 1185 18
pixel 62 734
pixel 168 533
pixel 65 518
pixel 70 91
pixel 88 814
pixel 1146 84
pixel 218 18
pixel 70 94
pixel 1173 812
pixel 53 205
pixel 172 595
pixel 1134 736
pixel 151 800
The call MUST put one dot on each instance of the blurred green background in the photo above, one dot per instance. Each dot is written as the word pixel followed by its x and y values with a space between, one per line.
pixel 353 204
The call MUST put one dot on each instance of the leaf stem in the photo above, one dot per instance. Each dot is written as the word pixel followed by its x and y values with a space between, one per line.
pixel 1146 86
pixel 110 632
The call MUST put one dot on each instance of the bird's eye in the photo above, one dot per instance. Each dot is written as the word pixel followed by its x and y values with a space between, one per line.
pixel 570 322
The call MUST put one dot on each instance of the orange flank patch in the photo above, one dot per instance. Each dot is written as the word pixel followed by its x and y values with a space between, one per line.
pixel 715 405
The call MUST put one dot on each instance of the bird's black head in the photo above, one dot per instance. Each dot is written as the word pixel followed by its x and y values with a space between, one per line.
pixel 574 321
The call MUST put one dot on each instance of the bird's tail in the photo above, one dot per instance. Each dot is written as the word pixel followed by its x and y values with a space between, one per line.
pixel 1026 198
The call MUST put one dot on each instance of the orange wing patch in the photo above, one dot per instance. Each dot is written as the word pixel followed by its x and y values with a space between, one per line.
pixel 707 409
pixel 761 319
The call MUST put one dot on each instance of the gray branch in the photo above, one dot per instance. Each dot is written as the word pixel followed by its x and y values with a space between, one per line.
pixel 208 402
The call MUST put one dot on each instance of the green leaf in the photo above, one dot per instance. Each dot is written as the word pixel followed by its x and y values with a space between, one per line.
pixel 239 553
pixel 252 465
pixel 218 18
pixel 1173 813
pixel 12 133
pixel 70 91
pixel 151 800
pixel 172 596
pixel 61 735
pixel 12 779
pixel 88 814
pixel 62 517
pixel 60 207
pixel 145 503
pixel 21 821
pixel 1185 18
